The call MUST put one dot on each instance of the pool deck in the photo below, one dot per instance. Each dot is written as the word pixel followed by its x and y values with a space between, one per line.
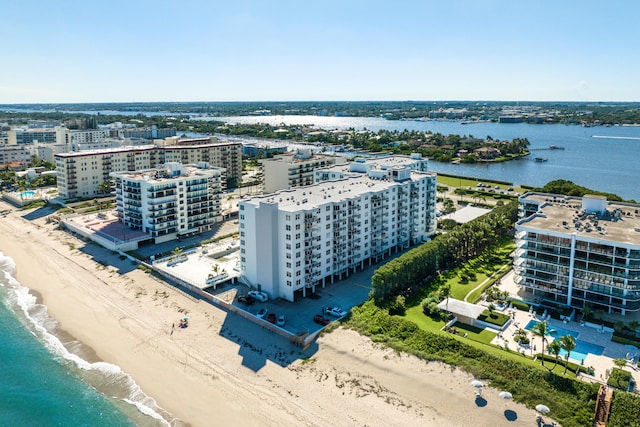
pixel 593 335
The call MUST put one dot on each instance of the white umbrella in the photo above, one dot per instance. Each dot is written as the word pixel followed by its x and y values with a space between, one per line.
pixel 477 384
pixel 543 409
pixel 505 395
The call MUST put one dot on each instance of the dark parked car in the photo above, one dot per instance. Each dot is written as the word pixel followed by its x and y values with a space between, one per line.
pixel 320 319
pixel 247 299
pixel 271 318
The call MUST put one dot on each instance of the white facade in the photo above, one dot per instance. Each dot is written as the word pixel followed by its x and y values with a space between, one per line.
pixel 169 202
pixel 294 169
pixel 81 174
pixel 294 240
pixel 573 251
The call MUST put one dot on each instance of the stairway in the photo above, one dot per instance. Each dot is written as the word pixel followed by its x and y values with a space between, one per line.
pixel 603 406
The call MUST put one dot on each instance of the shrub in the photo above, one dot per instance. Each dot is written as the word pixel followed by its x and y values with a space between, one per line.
pixel 619 379
pixel 398 306
pixel 522 306
pixel 625 408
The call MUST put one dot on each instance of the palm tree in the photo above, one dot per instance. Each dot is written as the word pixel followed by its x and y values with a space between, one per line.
pixel 554 348
pixel 540 330
pixel 177 253
pixel 520 336
pixel 568 343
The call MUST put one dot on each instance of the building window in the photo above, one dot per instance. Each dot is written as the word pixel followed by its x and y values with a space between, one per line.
pixel 288 237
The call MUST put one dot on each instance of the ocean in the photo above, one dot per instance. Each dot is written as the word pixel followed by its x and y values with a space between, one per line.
pixel 43 384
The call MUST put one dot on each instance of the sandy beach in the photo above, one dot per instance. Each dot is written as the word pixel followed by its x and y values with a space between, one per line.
pixel 222 369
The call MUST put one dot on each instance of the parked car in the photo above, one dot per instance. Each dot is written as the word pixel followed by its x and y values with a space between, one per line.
pixel 335 311
pixel 260 314
pixel 281 320
pixel 259 296
pixel 319 318
pixel 271 318
pixel 246 299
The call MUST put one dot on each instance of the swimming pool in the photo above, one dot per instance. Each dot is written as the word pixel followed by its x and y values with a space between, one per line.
pixel 554 332
pixel 582 349
pixel 27 194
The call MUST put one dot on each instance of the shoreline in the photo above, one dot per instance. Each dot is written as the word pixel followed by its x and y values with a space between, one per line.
pixel 222 368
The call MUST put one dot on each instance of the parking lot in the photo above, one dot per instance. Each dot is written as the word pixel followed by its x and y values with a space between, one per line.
pixel 345 294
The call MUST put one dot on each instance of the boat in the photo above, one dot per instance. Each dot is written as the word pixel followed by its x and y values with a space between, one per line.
pixel 540 159
pixel 555 147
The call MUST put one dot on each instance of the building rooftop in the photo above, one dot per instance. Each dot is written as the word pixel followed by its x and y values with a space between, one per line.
pixel 617 222
pixel 461 308
pixel 312 196
pixel 386 161
pixel 106 151
pixel 159 175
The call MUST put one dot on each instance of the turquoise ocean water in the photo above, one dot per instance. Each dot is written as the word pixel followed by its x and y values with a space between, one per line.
pixel 42 384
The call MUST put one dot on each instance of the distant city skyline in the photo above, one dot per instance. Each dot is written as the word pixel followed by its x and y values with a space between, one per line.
pixel 249 50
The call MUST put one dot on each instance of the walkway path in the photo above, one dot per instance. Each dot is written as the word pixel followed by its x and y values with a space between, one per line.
pixel 507 265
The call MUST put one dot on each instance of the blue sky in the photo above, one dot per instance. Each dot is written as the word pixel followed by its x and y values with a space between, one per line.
pixel 246 50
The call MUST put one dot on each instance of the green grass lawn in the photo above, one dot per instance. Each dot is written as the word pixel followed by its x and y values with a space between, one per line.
pixel 425 322
pixel 498 319
pixel 477 337
pixel 464 182
pixel 480 335
pixel 476 271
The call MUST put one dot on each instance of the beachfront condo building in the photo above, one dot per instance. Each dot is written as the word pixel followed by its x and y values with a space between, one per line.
pixel 291 170
pixel 294 240
pixel 172 201
pixel 575 251
pixel 82 174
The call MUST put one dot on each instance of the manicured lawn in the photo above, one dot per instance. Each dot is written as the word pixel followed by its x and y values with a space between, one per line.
pixel 465 279
pixel 498 319
pixel 425 322
pixel 479 338
pixel 477 334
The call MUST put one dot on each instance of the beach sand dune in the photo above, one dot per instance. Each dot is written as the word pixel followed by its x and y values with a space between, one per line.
pixel 225 370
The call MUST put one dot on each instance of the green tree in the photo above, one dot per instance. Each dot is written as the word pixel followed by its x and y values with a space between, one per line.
pixel 568 344
pixel 540 330
pixel 555 348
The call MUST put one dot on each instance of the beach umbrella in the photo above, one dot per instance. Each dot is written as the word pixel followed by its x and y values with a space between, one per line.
pixel 505 395
pixel 543 409
pixel 185 318
pixel 477 384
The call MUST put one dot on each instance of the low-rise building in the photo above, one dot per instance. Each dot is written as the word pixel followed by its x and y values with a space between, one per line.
pixel 579 251
pixel 295 240
pixel 172 201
